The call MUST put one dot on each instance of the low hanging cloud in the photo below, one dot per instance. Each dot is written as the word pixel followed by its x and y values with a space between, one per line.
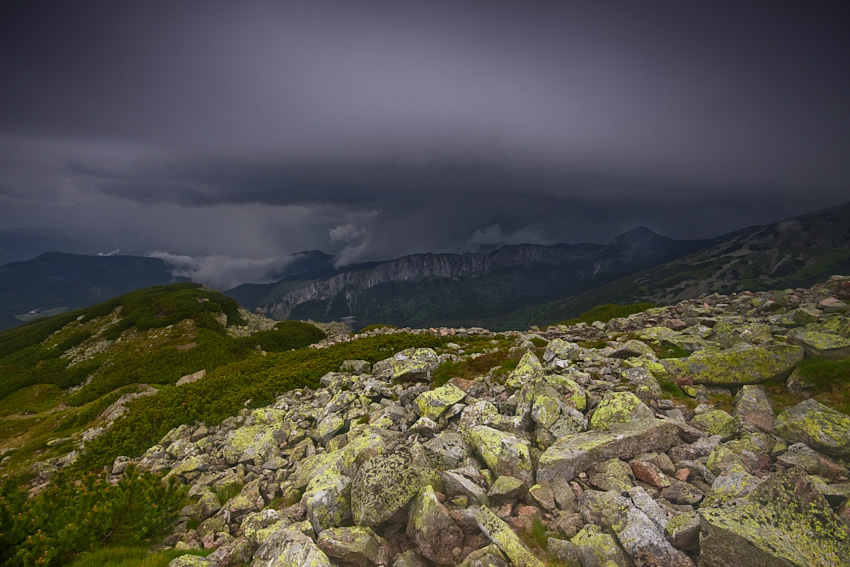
pixel 223 272
pixel 346 233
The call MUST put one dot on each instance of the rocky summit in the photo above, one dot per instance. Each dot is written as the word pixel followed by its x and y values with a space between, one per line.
pixel 687 435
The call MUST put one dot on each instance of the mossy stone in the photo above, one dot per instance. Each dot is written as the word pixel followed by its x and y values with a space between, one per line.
pixel 434 403
pixel 718 422
pixel 619 407
pixel 744 364
pixel 783 522
pixel 816 425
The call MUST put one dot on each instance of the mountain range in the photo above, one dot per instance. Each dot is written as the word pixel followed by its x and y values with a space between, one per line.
pixel 462 289
pixel 508 288
pixel 515 286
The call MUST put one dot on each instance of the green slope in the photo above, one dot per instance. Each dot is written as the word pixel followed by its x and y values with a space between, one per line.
pixel 791 253
pixel 58 374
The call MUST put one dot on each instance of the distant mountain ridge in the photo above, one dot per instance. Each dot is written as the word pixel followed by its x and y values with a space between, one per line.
pixel 790 253
pixel 510 287
pixel 418 289
pixel 22 244
pixel 58 281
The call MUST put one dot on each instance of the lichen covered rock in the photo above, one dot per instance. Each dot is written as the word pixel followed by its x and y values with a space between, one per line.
pixel 328 499
pixel 290 548
pixel 783 522
pixel 432 404
pixel 577 453
pixel 619 407
pixel 753 408
pixel 820 344
pixel 383 486
pixel 718 422
pixel 504 454
pixel 432 529
pixel 638 523
pixel 595 547
pixel 528 371
pixel 816 425
pixel 357 546
pixel 503 536
pixel 410 365
pixel 744 364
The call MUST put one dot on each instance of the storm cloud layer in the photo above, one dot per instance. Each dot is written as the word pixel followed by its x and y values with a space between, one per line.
pixel 376 129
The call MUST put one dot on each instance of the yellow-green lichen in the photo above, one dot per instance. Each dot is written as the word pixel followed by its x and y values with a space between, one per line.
pixel 741 365
pixel 433 403
pixel 718 422
pixel 619 407
pixel 504 454
pixel 528 371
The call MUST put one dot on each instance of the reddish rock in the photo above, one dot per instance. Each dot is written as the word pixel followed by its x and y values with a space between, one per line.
pixel 649 473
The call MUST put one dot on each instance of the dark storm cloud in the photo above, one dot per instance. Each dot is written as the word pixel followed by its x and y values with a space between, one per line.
pixel 382 128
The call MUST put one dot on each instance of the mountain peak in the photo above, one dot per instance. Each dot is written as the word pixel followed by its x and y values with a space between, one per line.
pixel 637 236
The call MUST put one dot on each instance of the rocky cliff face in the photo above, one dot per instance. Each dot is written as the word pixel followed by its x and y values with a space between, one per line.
pixel 581 262
pixel 579 456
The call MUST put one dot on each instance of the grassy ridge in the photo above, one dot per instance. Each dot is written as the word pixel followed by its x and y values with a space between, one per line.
pixel 189 338
pixel 153 336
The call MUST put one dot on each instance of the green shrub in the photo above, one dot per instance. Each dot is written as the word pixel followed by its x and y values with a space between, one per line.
pixel 287 335
pixel 25 361
pixel 472 368
pixel 73 515
pixel 74 340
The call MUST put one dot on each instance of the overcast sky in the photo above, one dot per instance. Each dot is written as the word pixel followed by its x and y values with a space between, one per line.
pixel 376 129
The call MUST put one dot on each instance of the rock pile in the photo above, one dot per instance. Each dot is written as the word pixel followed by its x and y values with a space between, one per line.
pixel 575 458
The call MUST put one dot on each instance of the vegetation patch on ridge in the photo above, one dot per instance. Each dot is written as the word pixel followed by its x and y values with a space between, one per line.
pixel 77 514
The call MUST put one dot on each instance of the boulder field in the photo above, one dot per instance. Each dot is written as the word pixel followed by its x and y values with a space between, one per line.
pixel 598 449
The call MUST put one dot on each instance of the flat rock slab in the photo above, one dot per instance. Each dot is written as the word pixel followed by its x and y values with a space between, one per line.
pixel 573 454
pixel 747 365
pixel 785 522
pixel 821 345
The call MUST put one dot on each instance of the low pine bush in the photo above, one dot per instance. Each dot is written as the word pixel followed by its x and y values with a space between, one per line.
pixel 74 515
